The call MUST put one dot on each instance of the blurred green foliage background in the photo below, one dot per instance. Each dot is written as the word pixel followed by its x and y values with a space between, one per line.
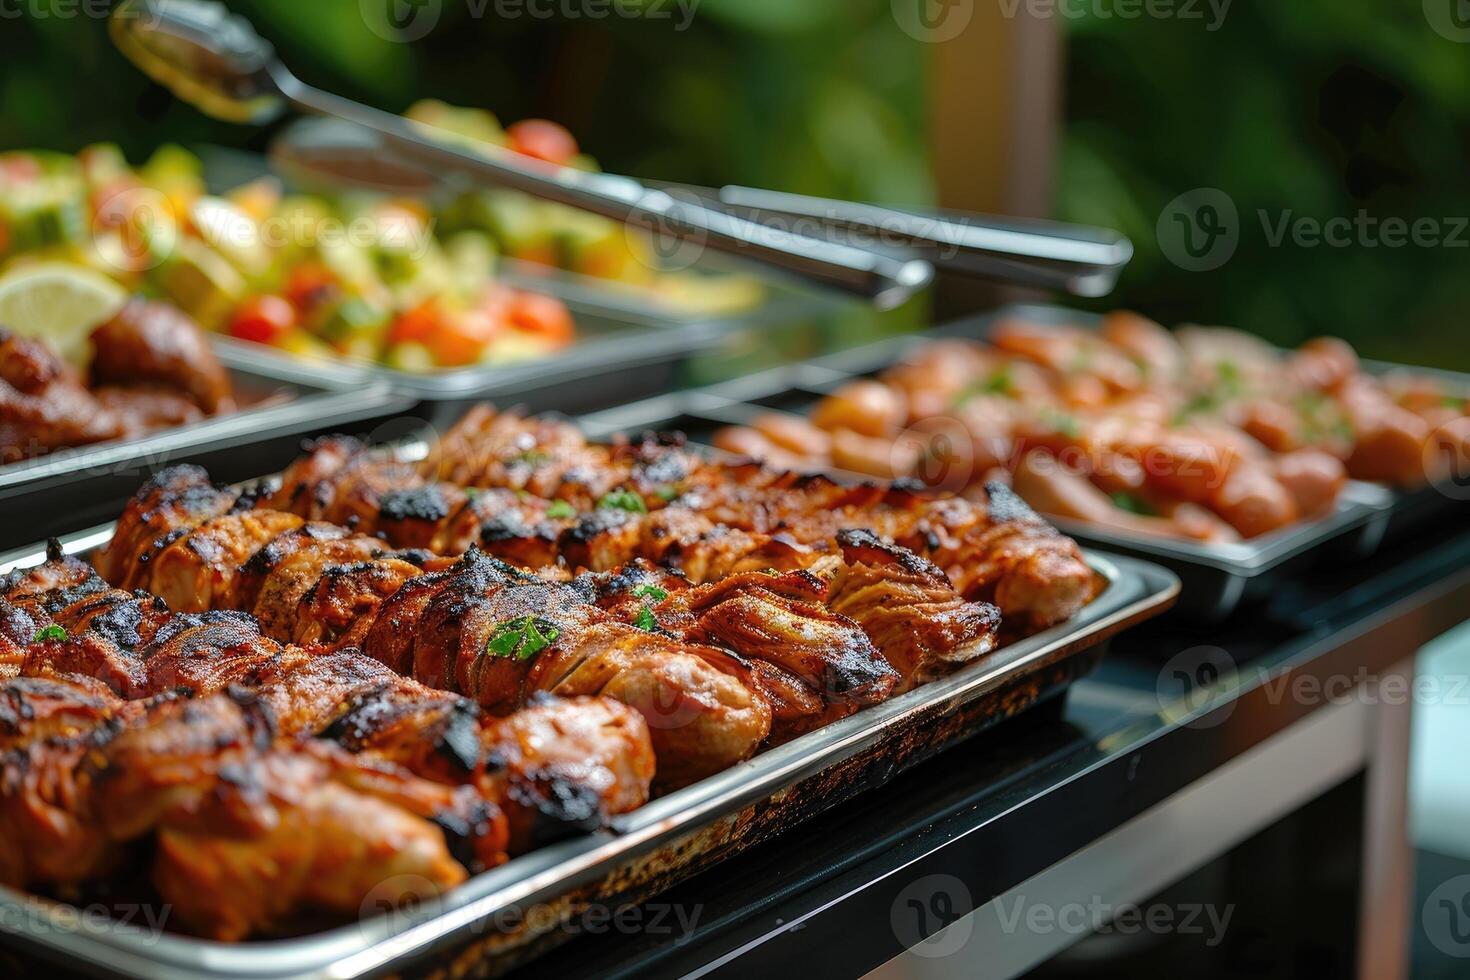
pixel 1316 108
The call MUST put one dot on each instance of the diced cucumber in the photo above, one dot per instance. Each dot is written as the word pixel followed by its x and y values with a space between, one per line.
pixel 201 281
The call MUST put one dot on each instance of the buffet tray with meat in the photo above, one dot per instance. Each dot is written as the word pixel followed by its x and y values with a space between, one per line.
pixel 480 690
pixel 74 444
pixel 1209 451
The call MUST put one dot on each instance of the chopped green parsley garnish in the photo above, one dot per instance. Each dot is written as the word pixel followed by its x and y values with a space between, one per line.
pixel 52 632
pixel 624 500
pixel 1133 504
pixel 522 638
pixel 531 457
pixel 1000 382
pixel 651 592
pixel 1062 422
pixel 646 620
pixel 666 493
pixel 560 508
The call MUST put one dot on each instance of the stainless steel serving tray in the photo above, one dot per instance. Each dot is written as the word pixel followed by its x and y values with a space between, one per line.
pixel 1216 577
pixel 74 487
pixel 620 354
pixel 503 917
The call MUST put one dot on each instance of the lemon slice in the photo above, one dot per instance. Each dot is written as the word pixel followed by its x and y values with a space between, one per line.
pixel 59 304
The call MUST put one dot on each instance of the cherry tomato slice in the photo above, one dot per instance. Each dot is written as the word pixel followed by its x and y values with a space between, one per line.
pixel 263 319
pixel 542 139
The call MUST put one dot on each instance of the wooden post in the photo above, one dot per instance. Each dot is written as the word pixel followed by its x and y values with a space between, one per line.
pixel 995 112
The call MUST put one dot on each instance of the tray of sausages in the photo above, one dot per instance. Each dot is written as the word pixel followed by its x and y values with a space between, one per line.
pixel 1205 449
pixel 426 706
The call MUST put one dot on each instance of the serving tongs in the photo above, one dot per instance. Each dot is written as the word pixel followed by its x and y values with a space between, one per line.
pixel 216 61
pixel 1072 258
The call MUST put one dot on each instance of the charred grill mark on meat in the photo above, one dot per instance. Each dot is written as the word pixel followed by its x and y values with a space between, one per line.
pixel 235 754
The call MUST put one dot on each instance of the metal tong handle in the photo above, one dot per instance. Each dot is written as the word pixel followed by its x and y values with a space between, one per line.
pixel 219 63
pixel 1081 260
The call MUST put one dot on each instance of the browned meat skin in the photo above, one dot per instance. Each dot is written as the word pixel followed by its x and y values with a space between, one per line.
pixel 344 697
pixel 37 708
pixel 145 408
pixel 44 405
pixel 697 700
pixel 251 832
pixel 997 550
pixel 285 587
pixel 1002 553
pixel 801 645
pixel 198 571
pixel 781 621
pixel 156 343
pixel 319 584
pixel 909 608
pixel 546 457
pixel 153 368
pixel 339 482
pixel 568 763
pixel 162 511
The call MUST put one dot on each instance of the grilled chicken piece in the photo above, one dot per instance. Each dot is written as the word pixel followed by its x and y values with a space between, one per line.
pixel 295 563
pixel 568 764
pixel 53 585
pixel 18 628
pixel 995 550
pixel 254 826
pixel 157 343
pixel 48 728
pixel 145 408
pixel 908 607
pixel 781 621
pixel 163 510
pixel 101 637
pixel 544 456
pixel 35 709
pixel 252 833
pixel 1003 553
pixel 499 635
pixel 721 518
pixel 44 405
pixel 198 570
pixel 339 481
pixel 344 697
